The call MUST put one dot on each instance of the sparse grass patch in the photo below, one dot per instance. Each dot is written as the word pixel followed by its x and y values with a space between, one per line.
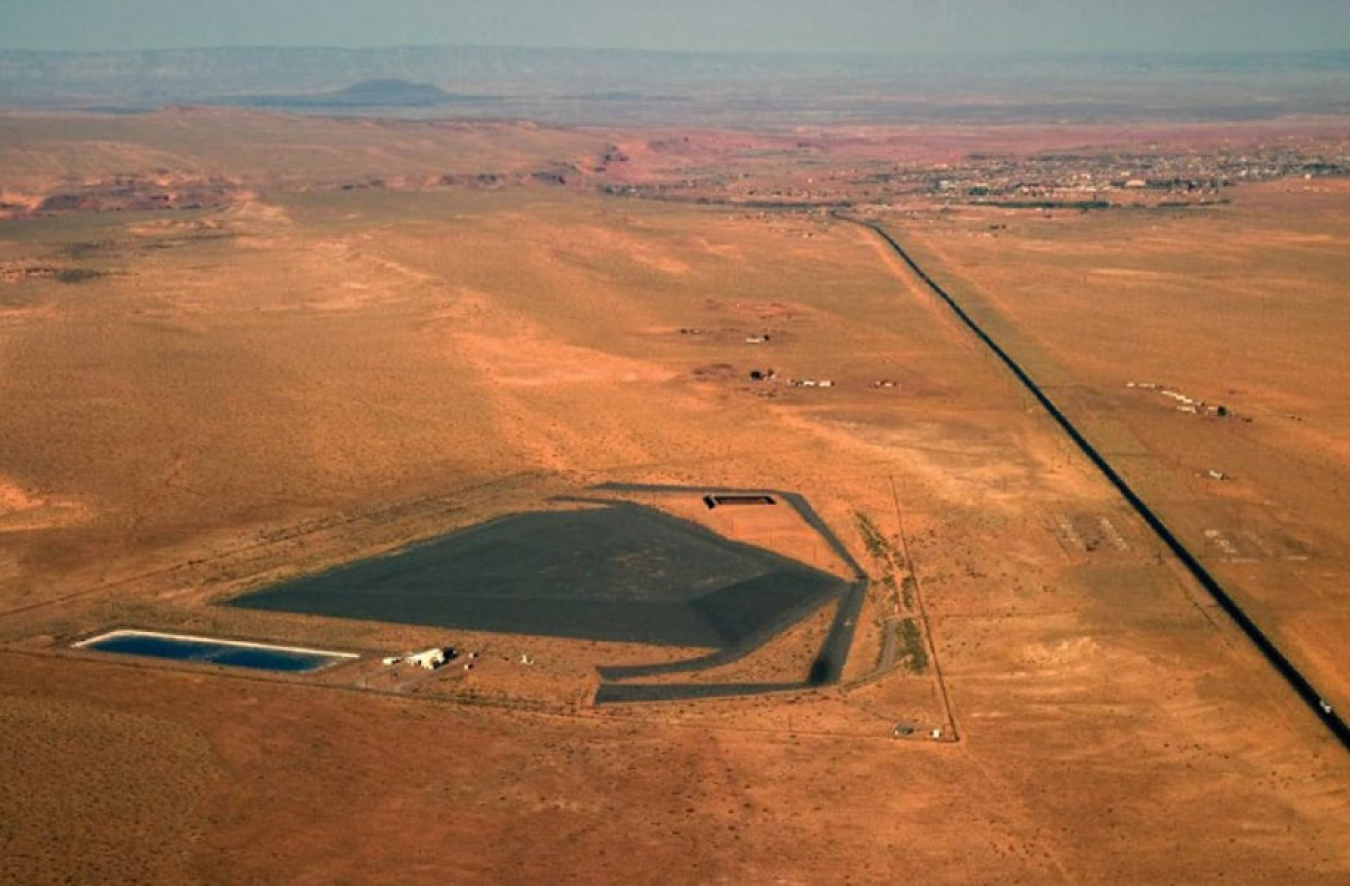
pixel 912 649
pixel 876 543
pixel 78 275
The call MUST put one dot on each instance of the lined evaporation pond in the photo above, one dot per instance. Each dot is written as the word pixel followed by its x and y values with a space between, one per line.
pixel 204 650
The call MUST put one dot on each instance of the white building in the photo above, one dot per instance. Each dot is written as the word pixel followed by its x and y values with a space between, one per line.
pixel 431 659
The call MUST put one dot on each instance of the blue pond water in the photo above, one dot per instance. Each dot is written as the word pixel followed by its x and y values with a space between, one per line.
pixel 201 649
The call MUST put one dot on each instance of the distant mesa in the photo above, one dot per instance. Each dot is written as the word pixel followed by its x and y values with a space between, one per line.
pixel 391 92
pixel 379 93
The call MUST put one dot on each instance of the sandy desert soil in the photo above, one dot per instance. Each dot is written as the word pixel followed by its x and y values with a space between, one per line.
pixel 1241 307
pixel 302 377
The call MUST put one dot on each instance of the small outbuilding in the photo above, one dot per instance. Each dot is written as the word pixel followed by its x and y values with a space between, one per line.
pixel 431 659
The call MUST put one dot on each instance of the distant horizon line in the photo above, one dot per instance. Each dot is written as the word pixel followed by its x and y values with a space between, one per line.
pixel 753 53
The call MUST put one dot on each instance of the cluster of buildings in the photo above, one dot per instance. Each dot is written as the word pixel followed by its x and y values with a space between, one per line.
pixel 1184 403
pixel 1092 179
pixel 1085 179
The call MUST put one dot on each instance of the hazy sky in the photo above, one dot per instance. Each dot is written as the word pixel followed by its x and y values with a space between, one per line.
pixel 810 25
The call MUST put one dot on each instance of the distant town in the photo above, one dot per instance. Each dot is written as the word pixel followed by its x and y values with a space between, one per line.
pixel 1088 179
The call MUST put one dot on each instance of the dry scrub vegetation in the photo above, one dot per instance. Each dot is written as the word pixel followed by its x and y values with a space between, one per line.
pixel 306 374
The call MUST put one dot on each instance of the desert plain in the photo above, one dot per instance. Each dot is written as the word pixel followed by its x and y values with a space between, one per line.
pixel 242 347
